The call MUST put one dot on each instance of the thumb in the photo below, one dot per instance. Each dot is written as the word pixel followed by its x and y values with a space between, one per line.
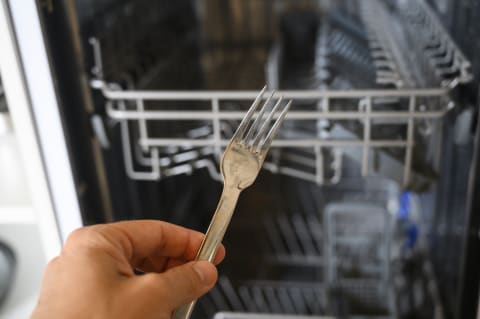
pixel 179 285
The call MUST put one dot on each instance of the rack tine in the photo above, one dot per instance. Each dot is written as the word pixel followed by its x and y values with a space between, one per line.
pixel 286 300
pixel 261 303
pixel 218 299
pixel 230 293
pixel 275 304
pixel 247 299
pixel 244 124
pixel 275 239
pixel 208 306
pixel 289 235
pixel 298 300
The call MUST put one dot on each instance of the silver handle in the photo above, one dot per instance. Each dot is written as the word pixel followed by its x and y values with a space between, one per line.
pixel 213 238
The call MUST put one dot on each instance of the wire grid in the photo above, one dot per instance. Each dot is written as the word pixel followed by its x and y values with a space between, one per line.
pixel 359 299
pixel 272 297
pixel 355 299
pixel 296 259
pixel 440 51
pixel 366 114
pixel 411 26
pixel 295 239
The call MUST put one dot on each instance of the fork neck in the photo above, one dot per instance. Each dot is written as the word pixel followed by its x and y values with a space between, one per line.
pixel 220 221
pixel 231 191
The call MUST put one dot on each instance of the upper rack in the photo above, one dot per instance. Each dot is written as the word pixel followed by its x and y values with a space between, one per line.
pixel 378 80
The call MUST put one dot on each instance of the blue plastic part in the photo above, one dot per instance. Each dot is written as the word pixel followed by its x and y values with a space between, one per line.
pixel 404 209
pixel 412 236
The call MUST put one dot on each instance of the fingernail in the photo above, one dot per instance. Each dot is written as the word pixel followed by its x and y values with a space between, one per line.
pixel 202 268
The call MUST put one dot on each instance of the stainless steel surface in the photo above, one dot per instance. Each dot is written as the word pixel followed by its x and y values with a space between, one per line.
pixel 240 165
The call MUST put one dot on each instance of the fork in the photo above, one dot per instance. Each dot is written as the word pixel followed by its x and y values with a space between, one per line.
pixel 240 165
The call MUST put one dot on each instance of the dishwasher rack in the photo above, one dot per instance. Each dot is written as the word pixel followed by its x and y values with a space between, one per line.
pixel 360 299
pixel 411 92
pixel 298 266
pixel 298 242
pixel 192 148
pixel 436 58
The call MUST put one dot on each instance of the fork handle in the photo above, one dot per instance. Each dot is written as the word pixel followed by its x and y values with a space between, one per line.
pixel 213 237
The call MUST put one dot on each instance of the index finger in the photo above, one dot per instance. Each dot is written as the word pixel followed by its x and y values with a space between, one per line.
pixel 142 239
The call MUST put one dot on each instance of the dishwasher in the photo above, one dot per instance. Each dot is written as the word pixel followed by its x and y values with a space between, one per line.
pixel 368 203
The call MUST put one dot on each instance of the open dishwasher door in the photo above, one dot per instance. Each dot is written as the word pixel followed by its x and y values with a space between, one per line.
pixel 365 208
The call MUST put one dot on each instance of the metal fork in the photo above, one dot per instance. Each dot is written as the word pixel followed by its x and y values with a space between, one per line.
pixel 240 165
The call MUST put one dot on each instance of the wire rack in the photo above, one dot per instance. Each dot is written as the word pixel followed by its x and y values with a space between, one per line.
pixel 414 92
pixel 291 271
pixel 267 297
pixel 212 144
pixel 295 239
pixel 360 299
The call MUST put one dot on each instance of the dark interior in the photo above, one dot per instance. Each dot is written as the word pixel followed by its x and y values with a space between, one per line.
pixel 276 243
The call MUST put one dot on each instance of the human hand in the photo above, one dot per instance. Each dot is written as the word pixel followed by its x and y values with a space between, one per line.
pixel 94 278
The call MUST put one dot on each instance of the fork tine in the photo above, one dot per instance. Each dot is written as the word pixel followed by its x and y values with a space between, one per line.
pixel 255 124
pixel 244 124
pixel 265 145
pixel 265 125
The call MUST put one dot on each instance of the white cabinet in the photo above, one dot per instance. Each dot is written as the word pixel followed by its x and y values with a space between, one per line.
pixel 28 223
pixel 15 199
pixel 34 203
pixel 24 239
pixel 18 231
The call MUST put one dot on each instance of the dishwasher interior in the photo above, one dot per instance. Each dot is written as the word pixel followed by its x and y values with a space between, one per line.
pixel 351 216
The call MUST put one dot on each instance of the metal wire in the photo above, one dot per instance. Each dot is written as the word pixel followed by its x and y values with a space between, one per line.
pixel 291 298
pixel 219 116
